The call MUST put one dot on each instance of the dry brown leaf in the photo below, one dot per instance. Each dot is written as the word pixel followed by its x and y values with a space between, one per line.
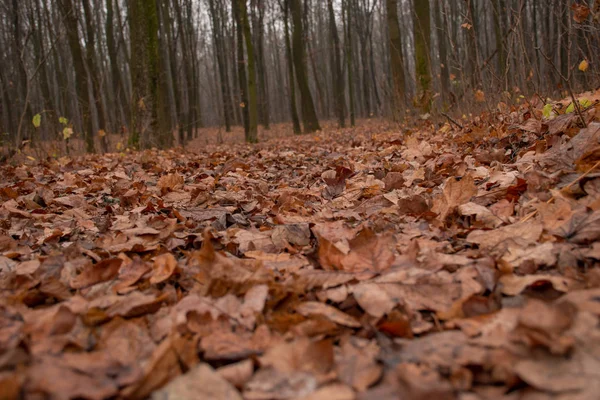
pixel 202 381
pixel 456 192
pixel 237 373
pixel 170 182
pixel 130 273
pixel 163 268
pixel 519 234
pixel 333 314
pixel 357 365
pixel 103 271
pixel 513 285
pixel 373 299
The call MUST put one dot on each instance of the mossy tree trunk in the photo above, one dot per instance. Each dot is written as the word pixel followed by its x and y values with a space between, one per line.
pixel 241 66
pixel 145 74
pixel 252 134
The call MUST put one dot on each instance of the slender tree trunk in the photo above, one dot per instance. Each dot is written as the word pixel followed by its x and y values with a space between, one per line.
pixel 252 136
pixel 309 115
pixel 81 84
pixel 337 75
pixel 290 64
pixel 23 80
pixel 40 59
pixel 263 110
pixel 188 70
pixel 121 93
pixel 442 41
pixel 241 67
pixel 397 64
pixel 422 35
pixel 167 107
pixel 350 61
pixel 220 56
pixel 145 75
pixel 95 74
pixel 172 49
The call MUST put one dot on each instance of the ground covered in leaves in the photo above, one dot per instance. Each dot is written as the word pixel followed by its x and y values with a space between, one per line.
pixel 431 262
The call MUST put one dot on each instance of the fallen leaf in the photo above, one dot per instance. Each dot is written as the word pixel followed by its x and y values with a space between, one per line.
pixel 333 314
pixel 200 382
pixel 163 268
pixel 96 273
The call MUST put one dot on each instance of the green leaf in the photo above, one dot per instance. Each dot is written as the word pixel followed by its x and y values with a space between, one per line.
pixel 63 120
pixel 585 103
pixel 582 103
pixel 570 109
pixel 37 120
pixel 547 111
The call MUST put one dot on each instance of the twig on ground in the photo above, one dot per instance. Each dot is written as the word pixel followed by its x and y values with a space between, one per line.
pixel 452 120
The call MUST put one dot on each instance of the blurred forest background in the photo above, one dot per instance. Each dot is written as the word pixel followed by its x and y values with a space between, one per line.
pixel 156 71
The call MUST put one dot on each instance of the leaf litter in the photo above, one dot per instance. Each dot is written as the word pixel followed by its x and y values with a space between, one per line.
pixel 420 261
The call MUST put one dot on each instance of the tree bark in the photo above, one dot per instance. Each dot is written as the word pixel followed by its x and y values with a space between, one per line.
pixel 397 64
pixel 309 115
pixel 252 135
pixel 95 75
pixel 81 85
pixel 337 76
pixel 422 37
pixel 349 60
pixel 241 67
pixel 290 64
pixel 145 75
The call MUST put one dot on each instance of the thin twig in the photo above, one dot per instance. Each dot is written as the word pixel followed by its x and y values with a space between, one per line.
pixel 452 121
pixel 566 80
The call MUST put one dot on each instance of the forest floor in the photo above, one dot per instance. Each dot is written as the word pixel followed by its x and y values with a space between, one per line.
pixel 420 262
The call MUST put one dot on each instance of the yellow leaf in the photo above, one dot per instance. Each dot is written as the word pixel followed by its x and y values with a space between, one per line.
pixel 101 133
pixel 583 66
pixel 30 158
pixel 37 120
pixel 67 133
pixel 479 96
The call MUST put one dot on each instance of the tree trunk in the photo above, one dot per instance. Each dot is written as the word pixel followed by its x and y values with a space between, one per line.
pixel 349 61
pixel 444 68
pixel 337 76
pixel 309 115
pixel 252 136
pixel 241 67
pixel 143 20
pixel 120 91
pixel 220 56
pixel 422 35
pixel 290 64
pixel 94 71
pixel 188 68
pixel 397 64
pixel 263 109
pixel 81 84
